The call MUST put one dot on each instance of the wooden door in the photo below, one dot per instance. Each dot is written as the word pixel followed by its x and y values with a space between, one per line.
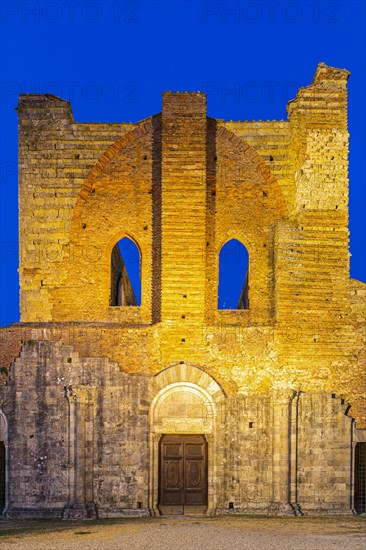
pixel 183 474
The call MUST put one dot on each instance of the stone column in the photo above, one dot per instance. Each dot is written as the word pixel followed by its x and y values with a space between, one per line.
pixel 293 452
pixel 7 478
pixel 81 408
pixel 281 458
pixel 154 474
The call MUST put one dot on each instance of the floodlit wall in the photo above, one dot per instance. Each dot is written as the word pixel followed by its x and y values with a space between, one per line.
pixel 284 379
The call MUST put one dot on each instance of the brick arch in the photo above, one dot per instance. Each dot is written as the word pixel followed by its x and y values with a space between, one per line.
pixel 247 204
pixel 181 373
pixel 235 236
pixel 256 172
pixel 122 234
pixel 114 201
pixel 97 170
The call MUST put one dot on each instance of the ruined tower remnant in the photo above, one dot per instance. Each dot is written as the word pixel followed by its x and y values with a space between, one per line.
pixel 161 398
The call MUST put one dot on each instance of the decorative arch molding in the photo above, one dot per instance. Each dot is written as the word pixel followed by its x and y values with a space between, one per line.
pixel 170 410
pixel 183 372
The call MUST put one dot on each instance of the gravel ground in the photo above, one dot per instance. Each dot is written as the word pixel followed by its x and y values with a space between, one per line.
pixel 233 532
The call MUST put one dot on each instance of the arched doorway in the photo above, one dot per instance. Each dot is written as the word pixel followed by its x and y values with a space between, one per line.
pixel 183 442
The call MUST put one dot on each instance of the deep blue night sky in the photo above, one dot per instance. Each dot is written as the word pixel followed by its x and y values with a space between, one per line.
pixel 113 59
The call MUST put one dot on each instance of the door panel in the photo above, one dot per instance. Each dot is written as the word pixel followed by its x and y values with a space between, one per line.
pixel 183 474
pixel 172 474
pixel 173 486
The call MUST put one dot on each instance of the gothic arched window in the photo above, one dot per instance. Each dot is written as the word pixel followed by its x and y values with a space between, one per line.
pixel 233 276
pixel 125 274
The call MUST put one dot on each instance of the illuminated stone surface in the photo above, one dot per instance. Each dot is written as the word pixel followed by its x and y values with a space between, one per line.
pixel 92 387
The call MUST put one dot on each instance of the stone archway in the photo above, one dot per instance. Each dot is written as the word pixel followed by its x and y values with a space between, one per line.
pixel 186 402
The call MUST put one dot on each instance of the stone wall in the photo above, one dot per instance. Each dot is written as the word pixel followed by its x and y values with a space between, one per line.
pixel 55 156
pixel 79 432
pixel 180 185
pixel 278 187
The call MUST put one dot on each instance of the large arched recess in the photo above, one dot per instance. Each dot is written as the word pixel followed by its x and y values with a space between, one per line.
pixel 116 200
pixel 186 400
pixel 246 204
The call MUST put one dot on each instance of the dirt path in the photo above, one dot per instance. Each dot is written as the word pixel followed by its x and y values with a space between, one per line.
pixel 233 532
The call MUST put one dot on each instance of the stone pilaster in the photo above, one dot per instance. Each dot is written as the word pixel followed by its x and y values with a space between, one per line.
pixel 184 134
pixel 81 408
pixel 281 457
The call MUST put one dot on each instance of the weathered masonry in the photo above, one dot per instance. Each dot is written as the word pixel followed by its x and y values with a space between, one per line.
pixel 161 399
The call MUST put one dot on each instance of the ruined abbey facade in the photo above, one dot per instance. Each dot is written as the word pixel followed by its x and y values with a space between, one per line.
pixel 113 405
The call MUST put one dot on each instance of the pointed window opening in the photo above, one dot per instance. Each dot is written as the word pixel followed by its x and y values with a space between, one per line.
pixel 233 276
pixel 125 274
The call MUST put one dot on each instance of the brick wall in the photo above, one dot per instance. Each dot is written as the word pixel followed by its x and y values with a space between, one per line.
pixel 180 185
